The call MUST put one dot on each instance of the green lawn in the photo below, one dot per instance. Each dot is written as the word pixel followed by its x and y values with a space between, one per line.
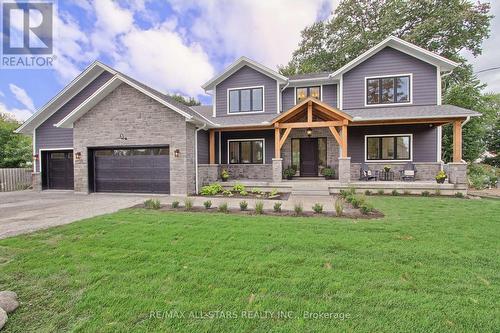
pixel 431 265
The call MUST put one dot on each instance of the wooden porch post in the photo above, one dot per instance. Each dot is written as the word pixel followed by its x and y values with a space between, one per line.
pixel 277 143
pixel 457 141
pixel 212 146
pixel 344 141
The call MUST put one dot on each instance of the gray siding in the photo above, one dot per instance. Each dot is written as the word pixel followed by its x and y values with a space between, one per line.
pixel 329 96
pixel 246 77
pixel 49 136
pixel 203 147
pixel 424 140
pixel 268 135
pixel 388 62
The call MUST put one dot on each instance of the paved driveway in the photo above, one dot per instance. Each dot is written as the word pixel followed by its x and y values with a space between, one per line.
pixel 26 211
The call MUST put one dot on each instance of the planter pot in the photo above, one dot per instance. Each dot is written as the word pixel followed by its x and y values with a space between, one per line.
pixel 440 180
pixel 224 179
pixel 289 177
pixel 328 177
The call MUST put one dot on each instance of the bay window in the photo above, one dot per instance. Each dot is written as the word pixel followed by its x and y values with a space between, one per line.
pixel 388 147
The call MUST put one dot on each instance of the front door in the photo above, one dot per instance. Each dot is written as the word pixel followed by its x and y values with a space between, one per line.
pixel 309 157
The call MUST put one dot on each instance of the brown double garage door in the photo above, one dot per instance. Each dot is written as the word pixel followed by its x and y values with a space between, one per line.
pixel 130 170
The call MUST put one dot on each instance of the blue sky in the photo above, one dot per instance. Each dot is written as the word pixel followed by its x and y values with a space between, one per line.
pixel 177 45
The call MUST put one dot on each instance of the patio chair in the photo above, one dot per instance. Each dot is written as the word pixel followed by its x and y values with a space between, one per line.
pixel 409 172
pixel 366 174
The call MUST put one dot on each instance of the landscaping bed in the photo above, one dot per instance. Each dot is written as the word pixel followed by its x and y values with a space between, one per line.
pixel 241 191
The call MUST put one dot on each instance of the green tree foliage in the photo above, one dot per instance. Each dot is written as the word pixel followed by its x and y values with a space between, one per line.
pixel 189 101
pixel 15 149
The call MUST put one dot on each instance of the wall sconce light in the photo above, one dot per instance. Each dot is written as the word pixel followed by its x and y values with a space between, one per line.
pixel 309 132
pixel 177 153
pixel 123 137
pixel 35 157
pixel 78 156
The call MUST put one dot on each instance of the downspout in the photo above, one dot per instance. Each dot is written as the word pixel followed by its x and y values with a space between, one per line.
pixel 196 156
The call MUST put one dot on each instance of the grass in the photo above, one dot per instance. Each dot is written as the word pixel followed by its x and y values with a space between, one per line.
pixel 431 265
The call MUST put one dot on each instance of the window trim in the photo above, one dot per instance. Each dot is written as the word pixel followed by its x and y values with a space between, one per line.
pixel 243 88
pixel 244 140
pixel 388 135
pixel 410 75
pixel 313 86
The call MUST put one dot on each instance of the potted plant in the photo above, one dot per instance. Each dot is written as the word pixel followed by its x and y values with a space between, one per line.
pixel 224 175
pixel 328 172
pixel 440 177
pixel 289 172
pixel 387 168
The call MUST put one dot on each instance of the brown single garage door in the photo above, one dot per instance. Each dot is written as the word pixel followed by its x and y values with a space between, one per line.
pixel 131 170
pixel 57 170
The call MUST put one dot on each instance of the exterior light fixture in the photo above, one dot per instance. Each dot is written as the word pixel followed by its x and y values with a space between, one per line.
pixel 35 157
pixel 309 132
pixel 177 153
pixel 78 156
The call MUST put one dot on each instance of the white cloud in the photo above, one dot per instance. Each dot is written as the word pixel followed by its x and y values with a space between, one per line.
pixel 22 97
pixel 19 114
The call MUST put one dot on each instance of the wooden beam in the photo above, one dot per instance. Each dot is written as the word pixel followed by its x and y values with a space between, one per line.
pixel 309 112
pixel 336 135
pixel 285 135
pixel 344 141
pixel 212 146
pixel 457 141
pixel 277 143
pixel 313 124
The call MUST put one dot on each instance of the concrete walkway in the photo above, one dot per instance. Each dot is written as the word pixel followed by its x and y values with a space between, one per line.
pixel 26 211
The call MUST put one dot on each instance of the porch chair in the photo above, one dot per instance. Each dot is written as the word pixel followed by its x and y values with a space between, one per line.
pixel 409 172
pixel 366 174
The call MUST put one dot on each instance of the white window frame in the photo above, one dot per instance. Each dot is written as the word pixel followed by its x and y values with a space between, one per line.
pixel 312 86
pixel 387 161
pixel 246 112
pixel 253 139
pixel 365 94
pixel 51 149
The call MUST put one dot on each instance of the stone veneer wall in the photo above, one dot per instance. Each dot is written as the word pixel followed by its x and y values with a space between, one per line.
pixel 332 146
pixel 249 171
pixel 207 173
pixel 143 121
pixel 425 171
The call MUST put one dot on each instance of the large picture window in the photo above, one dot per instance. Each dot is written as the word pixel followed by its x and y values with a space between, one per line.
pixel 383 148
pixel 246 100
pixel 388 90
pixel 246 151
pixel 303 93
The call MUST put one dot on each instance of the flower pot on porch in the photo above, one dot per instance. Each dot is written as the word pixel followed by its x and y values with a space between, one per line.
pixel 440 180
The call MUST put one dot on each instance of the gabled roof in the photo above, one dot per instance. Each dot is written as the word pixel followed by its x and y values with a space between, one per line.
pixel 237 65
pixel 336 113
pixel 403 46
pixel 64 96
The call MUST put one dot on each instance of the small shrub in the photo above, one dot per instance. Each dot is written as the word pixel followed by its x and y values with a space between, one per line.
pixel 348 192
pixel 441 176
pixel 152 204
pixel 459 195
pixel 243 205
pixel 339 206
pixel 277 207
pixel 224 175
pixel 188 203
pixel 380 192
pixel 366 208
pixel 407 192
pixel 425 193
pixel 437 193
pixel 317 208
pixel 368 192
pixel 223 208
pixel 227 193
pixel 175 204
pixel 211 189
pixel 298 208
pixel 243 193
pixel 357 200
pixel 256 190
pixel 207 204
pixel 273 193
pixel 259 207
pixel 395 193
pixel 239 188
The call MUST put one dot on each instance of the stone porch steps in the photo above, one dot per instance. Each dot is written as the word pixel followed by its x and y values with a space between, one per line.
pixel 310 188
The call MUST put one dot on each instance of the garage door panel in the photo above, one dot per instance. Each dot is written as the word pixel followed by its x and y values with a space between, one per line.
pixel 59 170
pixel 135 170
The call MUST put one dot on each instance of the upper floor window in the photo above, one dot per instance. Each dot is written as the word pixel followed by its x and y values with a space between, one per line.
pixel 246 100
pixel 388 90
pixel 303 93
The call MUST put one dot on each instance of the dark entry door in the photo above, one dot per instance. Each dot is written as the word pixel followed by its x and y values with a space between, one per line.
pixel 132 170
pixel 60 170
pixel 309 157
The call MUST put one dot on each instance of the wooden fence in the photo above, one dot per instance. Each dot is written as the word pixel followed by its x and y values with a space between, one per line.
pixel 15 179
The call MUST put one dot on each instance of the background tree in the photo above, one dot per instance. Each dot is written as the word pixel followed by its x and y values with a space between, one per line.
pixel 446 27
pixel 15 149
pixel 189 101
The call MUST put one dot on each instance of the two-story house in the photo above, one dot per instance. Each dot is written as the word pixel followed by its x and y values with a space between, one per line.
pixel 106 132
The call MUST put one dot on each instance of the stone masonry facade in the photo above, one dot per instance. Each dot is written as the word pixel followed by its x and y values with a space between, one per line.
pixel 126 112
pixel 425 171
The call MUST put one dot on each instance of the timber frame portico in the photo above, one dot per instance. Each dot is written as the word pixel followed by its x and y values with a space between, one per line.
pixel 311 113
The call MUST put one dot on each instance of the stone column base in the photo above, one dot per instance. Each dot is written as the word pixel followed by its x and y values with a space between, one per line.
pixel 36 181
pixel 277 169
pixel 207 173
pixel 457 173
pixel 345 169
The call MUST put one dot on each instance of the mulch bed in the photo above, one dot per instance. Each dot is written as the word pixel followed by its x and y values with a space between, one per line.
pixel 236 195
